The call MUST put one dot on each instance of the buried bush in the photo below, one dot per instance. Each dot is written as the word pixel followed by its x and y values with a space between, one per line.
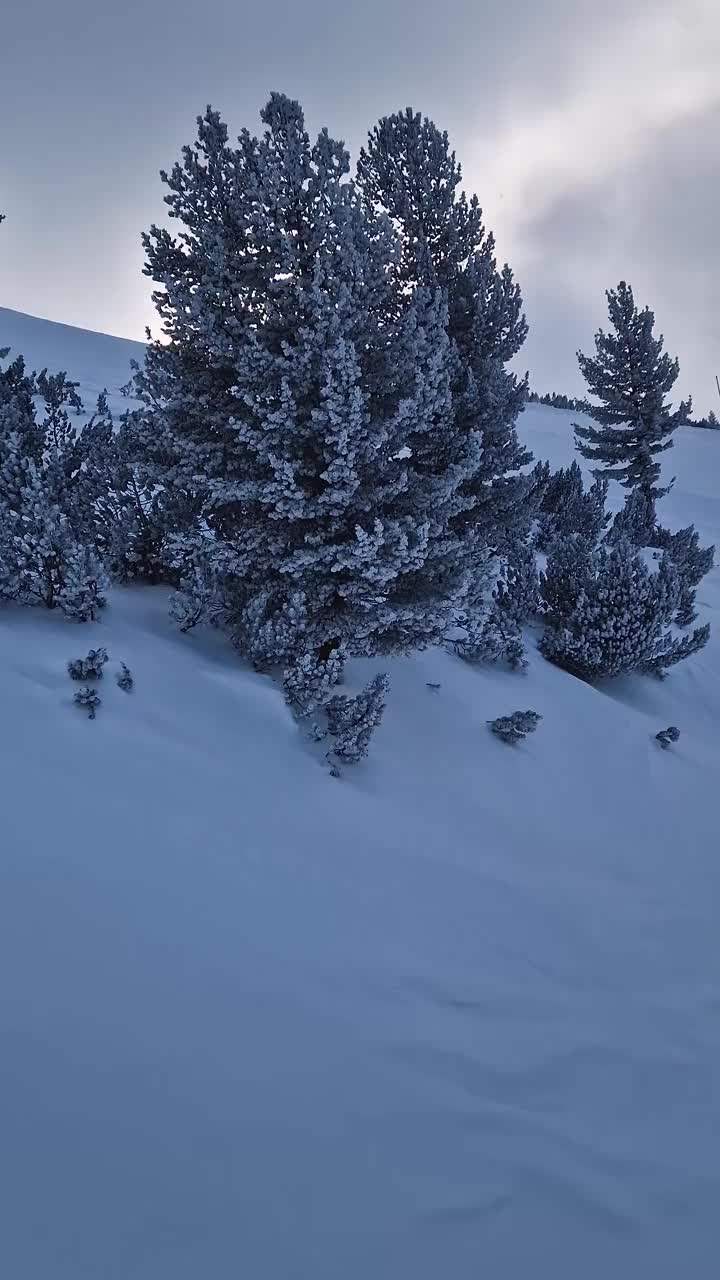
pixel 514 728
pixel 89 668
pixel 124 679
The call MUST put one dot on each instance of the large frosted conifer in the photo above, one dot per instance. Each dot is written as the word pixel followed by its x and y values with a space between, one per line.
pixel 298 410
pixel 408 171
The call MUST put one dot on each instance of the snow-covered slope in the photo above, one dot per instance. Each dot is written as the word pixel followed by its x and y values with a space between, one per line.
pixel 453 1015
pixel 97 361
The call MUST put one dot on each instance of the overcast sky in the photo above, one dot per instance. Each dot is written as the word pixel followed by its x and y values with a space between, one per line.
pixel 590 132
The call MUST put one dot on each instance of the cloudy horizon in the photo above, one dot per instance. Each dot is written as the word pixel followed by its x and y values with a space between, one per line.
pixel 587 136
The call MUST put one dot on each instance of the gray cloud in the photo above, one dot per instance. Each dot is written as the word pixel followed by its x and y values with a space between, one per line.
pixel 653 223
pixel 588 132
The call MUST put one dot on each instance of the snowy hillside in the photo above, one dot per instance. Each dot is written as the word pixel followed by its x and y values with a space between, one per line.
pixel 453 1015
pixel 95 360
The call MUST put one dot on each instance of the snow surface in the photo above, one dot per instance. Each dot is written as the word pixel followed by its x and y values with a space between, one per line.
pixel 455 1015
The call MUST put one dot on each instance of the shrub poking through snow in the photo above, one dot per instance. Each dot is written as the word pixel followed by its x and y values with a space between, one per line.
pixel 514 728
pixel 89 668
pixel 124 678
pixel 666 736
pixel 351 721
pixel 89 700
pixel 608 614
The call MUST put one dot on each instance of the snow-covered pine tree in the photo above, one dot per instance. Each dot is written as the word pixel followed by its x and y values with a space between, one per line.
pixel 567 508
pixel 199 597
pixel 352 721
pixel 408 171
pixel 45 562
pixel 492 637
pixel 569 566
pixel 133 530
pixel 518 591
pixel 636 523
pixel 58 392
pixel 308 682
pixel 46 497
pixel 636 520
pixel 21 438
pixel 608 614
pixel 297 412
pixel 48 493
pixel 691 561
pixel 496 635
pixel 84 582
pixel 631 376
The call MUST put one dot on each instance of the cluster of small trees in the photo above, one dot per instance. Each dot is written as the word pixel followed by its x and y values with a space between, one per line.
pixel 607 611
pixel 73 514
pixel 710 423
pixel 51 480
pixel 615 595
pixel 556 400
pixel 325 461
